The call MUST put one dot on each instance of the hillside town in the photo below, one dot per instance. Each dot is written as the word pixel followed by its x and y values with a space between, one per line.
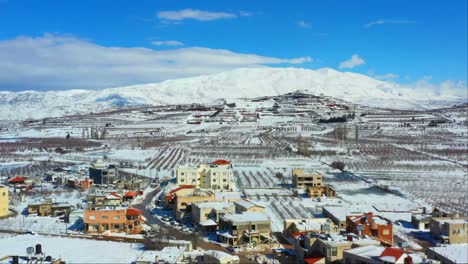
pixel 297 178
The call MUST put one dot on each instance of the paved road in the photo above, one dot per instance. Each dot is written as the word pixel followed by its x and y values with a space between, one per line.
pixel 177 234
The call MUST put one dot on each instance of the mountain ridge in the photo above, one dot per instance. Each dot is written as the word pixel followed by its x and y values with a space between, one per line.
pixel 238 83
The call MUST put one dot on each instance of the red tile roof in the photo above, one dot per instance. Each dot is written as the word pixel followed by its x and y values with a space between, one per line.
pixel 133 212
pixel 392 252
pixel 182 187
pixel 312 260
pixel 17 180
pixel 130 194
pixel 221 162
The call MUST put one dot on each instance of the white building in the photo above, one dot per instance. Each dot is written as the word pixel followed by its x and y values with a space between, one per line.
pixel 216 176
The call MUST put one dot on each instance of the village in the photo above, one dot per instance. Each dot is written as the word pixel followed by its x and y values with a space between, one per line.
pixel 297 178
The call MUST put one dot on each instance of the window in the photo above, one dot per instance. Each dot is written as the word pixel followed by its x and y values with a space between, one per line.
pixel 104 217
pixel 92 217
pixel 182 173
pixel 234 227
pixel 334 252
pixel 3 193
pixel 254 227
pixel 117 226
pixel 224 180
pixel 386 232
pixel 182 180
pixel 214 180
pixel 117 217
pixel 193 180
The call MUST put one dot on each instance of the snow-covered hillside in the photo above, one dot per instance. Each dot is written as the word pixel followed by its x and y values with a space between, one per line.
pixel 245 82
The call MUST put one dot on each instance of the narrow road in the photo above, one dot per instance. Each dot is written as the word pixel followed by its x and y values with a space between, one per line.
pixel 177 234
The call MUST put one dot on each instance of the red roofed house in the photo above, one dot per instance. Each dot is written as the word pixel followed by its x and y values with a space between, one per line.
pixel 128 220
pixel 17 180
pixel 392 255
pixel 315 260
pixel 169 198
pixel 221 162
pixel 371 225
pixel 130 195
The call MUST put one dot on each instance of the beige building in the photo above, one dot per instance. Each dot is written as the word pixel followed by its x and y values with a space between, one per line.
pixel 218 257
pixel 206 215
pixel 451 231
pixel 208 176
pixel 182 204
pixel 247 206
pixel 304 180
pixel 247 228
pixel 4 201
pixel 318 225
pixel 319 191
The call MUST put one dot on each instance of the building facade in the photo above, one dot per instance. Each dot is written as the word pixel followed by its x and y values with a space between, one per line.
pixel 305 180
pixel 4 201
pixel 118 220
pixel 247 228
pixel 209 176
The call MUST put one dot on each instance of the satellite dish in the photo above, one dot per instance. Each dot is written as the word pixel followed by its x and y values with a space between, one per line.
pixel 30 250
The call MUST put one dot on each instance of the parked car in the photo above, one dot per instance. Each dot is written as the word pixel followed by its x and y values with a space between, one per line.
pixel 234 249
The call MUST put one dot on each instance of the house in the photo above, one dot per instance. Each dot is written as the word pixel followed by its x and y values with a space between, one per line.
pixel 17 180
pixel 97 200
pixel 206 214
pixel 4 201
pixel 246 228
pixel 102 173
pixel 182 203
pixel 49 208
pixel 245 205
pixel 166 255
pixel 182 190
pixel 451 230
pixel 304 180
pixel 371 225
pixel 216 176
pixel 318 225
pixel 86 184
pixel 313 246
pixel 338 214
pixel 217 257
pixel 319 191
pixel 421 221
pixel 449 254
pixel 118 220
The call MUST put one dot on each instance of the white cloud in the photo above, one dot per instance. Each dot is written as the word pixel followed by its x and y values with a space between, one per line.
pixel 381 22
pixel 447 88
pixel 172 43
pixel 54 62
pixel 303 24
pixel 387 76
pixel 354 61
pixel 178 15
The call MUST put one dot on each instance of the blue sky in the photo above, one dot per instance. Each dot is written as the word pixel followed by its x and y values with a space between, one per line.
pixel 53 44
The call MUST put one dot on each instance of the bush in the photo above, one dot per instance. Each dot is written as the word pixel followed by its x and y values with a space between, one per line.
pixel 338 165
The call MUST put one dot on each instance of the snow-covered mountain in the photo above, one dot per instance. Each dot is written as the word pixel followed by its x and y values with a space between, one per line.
pixel 239 83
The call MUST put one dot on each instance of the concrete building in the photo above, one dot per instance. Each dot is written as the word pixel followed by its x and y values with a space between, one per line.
pixel 119 220
pixel 338 214
pixel 216 176
pixel 331 247
pixel 449 254
pixel 246 228
pixel 49 208
pixel 450 230
pixel 371 225
pixel 218 257
pixel 292 227
pixel 4 201
pixel 376 254
pixel 245 205
pixel 102 173
pixel 206 215
pixel 304 180
pixel 319 191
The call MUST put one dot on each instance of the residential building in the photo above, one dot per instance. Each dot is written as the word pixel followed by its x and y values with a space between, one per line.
pixel 293 227
pixel 182 203
pixel 246 228
pixel 98 200
pixel 449 254
pixel 206 215
pixel 376 254
pixel 245 205
pixel 319 191
pixel 315 246
pixel 421 221
pixel 119 220
pixel 303 180
pixel 4 201
pixel 168 254
pixel 49 208
pixel 451 230
pixel 217 257
pixel 216 176
pixel 371 225
pixel 102 173
pixel 338 214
